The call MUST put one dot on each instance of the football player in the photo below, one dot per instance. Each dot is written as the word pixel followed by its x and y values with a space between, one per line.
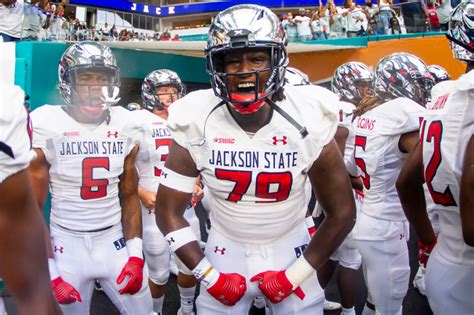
pixel 21 220
pixel 255 142
pixel 386 130
pixel 352 81
pixel 86 153
pixel 446 163
pixel 160 89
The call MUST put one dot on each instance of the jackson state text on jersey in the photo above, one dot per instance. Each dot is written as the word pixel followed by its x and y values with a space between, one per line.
pixel 378 157
pixel 445 133
pixel 256 183
pixel 154 148
pixel 86 162
pixel 15 142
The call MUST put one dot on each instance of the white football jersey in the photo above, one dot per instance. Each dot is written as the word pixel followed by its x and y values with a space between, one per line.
pixel 154 148
pixel 345 121
pixel 15 132
pixel 378 157
pixel 256 182
pixel 445 131
pixel 85 164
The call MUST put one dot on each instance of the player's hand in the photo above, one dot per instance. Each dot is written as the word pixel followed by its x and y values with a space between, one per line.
pixel 276 286
pixel 424 252
pixel 229 288
pixel 64 292
pixel 148 198
pixel 133 269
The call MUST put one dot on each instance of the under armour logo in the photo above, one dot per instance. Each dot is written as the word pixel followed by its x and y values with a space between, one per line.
pixel 151 211
pixel 171 241
pixel 239 32
pixel 111 134
pixel 282 140
pixel 164 174
pixel 220 250
pixel 58 249
pixel 402 235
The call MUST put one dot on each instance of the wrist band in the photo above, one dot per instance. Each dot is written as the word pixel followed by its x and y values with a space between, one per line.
pixel 205 273
pixel 135 247
pixel 299 271
pixel 180 237
pixel 177 181
pixel 53 271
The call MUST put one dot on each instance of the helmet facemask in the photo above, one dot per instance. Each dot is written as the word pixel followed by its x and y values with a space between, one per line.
pixel 248 99
pixel 91 98
pixel 159 79
pixel 242 29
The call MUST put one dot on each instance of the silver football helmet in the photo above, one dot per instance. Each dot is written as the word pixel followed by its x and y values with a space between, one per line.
pixel 403 75
pixel 461 31
pixel 155 80
pixel 351 81
pixel 438 73
pixel 294 76
pixel 88 56
pixel 246 27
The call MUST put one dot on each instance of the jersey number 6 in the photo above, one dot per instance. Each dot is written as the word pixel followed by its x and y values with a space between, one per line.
pixel 93 188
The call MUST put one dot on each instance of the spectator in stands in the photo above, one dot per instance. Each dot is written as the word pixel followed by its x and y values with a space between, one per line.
pixel 443 10
pixel 371 11
pixel 11 13
pixel 176 38
pixel 303 26
pixel 336 22
pixel 105 30
pixel 395 25
pixel 356 20
pixel 317 26
pixel 385 14
pixel 433 16
pixel 290 27
pixel 415 16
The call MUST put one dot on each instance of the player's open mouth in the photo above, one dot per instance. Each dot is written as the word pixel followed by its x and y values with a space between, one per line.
pixel 246 87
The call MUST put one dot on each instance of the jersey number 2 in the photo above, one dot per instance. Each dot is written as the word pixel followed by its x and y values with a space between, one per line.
pixel 434 135
pixel 93 188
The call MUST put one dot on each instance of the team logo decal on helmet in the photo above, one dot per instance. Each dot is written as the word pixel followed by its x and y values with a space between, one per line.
pixel 461 31
pixel 295 76
pixel 155 80
pixel 438 73
pixel 246 26
pixel 403 75
pixel 348 80
pixel 89 56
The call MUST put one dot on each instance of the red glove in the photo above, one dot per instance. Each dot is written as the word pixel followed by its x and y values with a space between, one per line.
pixel 64 292
pixel 276 286
pixel 424 252
pixel 134 270
pixel 229 288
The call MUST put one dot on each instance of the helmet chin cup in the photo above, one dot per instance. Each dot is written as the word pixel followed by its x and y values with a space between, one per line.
pixel 247 104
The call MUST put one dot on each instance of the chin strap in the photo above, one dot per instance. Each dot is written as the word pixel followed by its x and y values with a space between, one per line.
pixel 301 129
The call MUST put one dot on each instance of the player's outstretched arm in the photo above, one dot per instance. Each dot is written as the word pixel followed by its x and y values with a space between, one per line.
pixel 24 265
pixel 466 203
pixel 177 184
pixel 132 272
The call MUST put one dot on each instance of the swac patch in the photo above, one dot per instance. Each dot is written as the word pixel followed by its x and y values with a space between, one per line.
pixel 300 249
pixel 120 243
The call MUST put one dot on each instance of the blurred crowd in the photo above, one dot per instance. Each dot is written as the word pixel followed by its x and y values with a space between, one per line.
pixel 327 21
pixel 351 20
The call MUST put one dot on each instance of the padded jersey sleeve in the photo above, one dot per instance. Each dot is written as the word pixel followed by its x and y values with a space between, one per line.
pixel 15 132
